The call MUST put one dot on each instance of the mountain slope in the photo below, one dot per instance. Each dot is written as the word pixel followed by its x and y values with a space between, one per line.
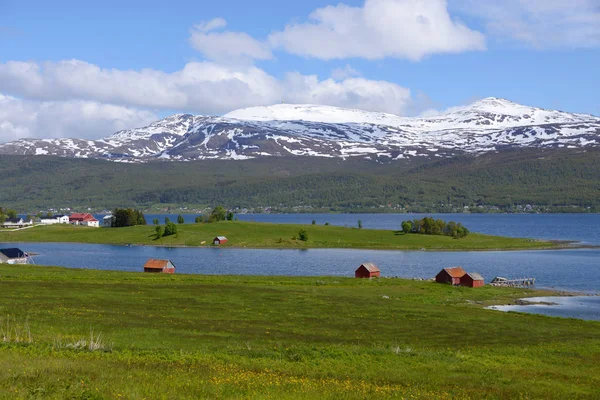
pixel 308 130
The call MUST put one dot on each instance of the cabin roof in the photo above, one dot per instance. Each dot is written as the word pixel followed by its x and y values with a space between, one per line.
pixel 371 267
pixel 13 253
pixel 455 272
pixel 14 220
pixel 475 276
pixel 154 263
pixel 221 238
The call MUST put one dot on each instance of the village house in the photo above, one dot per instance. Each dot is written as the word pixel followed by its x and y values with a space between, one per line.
pixel 154 265
pixel 450 275
pixel 108 220
pixel 219 240
pixel 16 223
pixel 472 279
pixel 56 219
pixel 83 219
pixel 13 256
pixel 367 270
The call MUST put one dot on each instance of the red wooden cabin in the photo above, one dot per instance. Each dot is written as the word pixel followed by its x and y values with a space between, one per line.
pixel 159 266
pixel 367 270
pixel 450 275
pixel 220 240
pixel 472 279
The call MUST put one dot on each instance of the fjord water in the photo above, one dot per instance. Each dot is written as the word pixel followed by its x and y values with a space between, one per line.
pixel 573 269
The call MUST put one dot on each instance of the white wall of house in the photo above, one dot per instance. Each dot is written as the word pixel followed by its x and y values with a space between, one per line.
pixel 92 224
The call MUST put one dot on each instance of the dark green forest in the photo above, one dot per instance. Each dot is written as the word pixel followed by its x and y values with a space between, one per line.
pixel 555 180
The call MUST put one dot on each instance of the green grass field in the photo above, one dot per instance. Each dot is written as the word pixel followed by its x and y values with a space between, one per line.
pixel 262 235
pixel 193 336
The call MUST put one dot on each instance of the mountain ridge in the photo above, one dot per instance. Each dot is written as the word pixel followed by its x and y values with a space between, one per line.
pixel 490 124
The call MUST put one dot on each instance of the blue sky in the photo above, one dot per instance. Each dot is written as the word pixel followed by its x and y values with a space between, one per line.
pixel 115 64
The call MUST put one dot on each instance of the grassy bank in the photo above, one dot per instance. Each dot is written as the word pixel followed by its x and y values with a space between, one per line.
pixel 262 235
pixel 280 337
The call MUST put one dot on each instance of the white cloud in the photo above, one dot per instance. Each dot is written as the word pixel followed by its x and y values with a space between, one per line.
pixel 540 23
pixel 358 93
pixel 409 29
pixel 50 119
pixel 200 87
pixel 339 74
pixel 226 45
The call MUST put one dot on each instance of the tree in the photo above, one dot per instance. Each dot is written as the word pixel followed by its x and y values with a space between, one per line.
pixel 407 226
pixel 360 225
pixel 167 220
pixel 218 214
pixel 11 213
pixel 155 221
pixel 170 229
pixel 199 219
pixel 159 231
pixel 303 235
pixel 230 216
pixel 180 219
pixel 314 222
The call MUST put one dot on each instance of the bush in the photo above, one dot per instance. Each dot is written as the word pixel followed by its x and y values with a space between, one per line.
pixel 303 235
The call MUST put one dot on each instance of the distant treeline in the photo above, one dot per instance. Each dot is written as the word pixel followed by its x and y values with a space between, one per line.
pixel 431 226
pixel 562 180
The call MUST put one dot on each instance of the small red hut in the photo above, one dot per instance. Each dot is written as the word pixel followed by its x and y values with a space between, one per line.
pixel 367 270
pixel 159 266
pixel 472 279
pixel 450 275
pixel 220 240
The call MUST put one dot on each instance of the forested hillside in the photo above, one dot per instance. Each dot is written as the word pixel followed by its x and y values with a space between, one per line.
pixel 560 179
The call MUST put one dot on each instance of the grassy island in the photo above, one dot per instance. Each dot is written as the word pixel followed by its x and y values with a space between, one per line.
pixel 84 334
pixel 263 235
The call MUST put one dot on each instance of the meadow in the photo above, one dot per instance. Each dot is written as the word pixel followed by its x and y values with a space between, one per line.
pixel 85 334
pixel 262 235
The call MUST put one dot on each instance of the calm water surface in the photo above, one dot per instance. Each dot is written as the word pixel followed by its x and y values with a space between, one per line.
pixel 569 307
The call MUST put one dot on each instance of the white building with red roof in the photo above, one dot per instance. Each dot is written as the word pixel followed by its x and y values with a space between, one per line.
pixel 84 219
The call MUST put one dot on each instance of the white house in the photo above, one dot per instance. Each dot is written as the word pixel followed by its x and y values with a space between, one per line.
pixel 16 223
pixel 57 219
pixel 107 221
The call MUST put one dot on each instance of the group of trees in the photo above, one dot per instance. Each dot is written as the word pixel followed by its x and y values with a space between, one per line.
pixel 169 229
pixel 219 213
pixel 430 226
pixel 127 217
pixel 6 214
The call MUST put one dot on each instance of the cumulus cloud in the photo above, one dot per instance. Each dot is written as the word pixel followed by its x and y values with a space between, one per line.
pixel 410 29
pixel 540 23
pixel 226 45
pixel 339 74
pixel 51 119
pixel 199 87
pixel 358 93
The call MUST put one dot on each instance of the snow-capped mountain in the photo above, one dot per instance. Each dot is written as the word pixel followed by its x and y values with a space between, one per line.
pixel 487 125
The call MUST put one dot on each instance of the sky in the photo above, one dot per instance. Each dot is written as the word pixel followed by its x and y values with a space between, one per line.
pixel 87 69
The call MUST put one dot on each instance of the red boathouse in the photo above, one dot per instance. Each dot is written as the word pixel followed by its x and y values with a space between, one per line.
pixel 472 279
pixel 367 270
pixel 159 266
pixel 450 275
